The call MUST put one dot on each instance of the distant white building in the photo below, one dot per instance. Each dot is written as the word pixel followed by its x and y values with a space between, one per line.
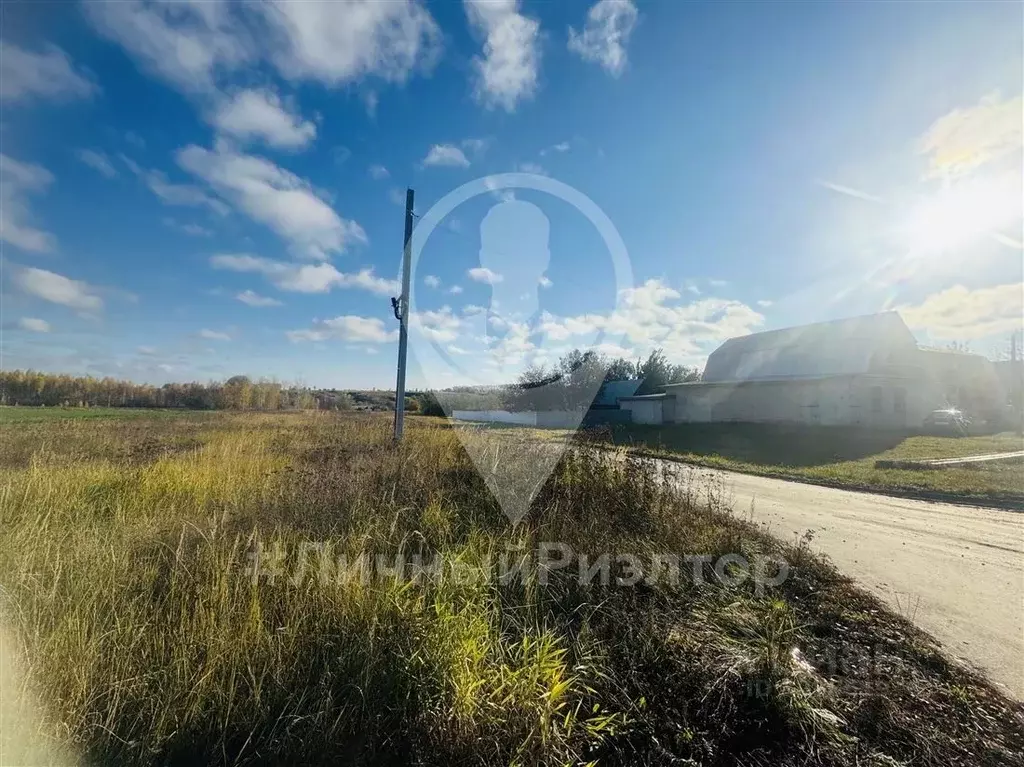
pixel 858 371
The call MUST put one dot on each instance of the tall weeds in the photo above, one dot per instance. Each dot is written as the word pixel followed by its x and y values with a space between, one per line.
pixel 184 604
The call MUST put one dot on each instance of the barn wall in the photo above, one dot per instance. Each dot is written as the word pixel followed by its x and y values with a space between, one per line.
pixel 748 403
pixel 496 416
pixel 668 409
pixel 561 419
pixel 648 411
pixel 847 400
pixel 877 401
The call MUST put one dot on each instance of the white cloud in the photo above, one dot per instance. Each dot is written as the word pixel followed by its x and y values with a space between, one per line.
pixel 718 283
pixel 133 166
pixel 346 328
pixel 147 351
pixel 337 43
pixel 17 181
pixel 296 336
pixel 98 161
pixel 966 139
pixel 614 350
pixel 475 146
pixel 213 335
pixel 514 346
pixel 196 46
pixel 397 196
pixel 605 34
pixel 259 114
pixel 455 290
pixel 34 325
pixel 193 230
pixel 58 289
pixel 500 194
pixel 959 314
pixel 319 278
pixel 560 147
pixel 544 282
pixel 299 278
pixel 186 44
pixel 431 281
pixel 251 298
pixel 531 167
pixel 47 74
pixel 507 72
pixel 243 262
pixel 371 99
pixel 485 275
pixel 341 154
pixel 651 315
pixel 765 303
pixel 378 172
pixel 305 278
pixel 441 326
pixel 367 280
pixel 275 197
pixel 445 155
pixel 183 195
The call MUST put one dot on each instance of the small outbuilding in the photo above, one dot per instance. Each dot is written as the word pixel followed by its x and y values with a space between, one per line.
pixel 650 408
pixel 611 393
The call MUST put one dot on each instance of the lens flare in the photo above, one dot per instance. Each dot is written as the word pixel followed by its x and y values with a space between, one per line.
pixel 963 213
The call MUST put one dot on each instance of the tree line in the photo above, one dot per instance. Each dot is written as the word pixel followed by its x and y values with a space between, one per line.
pixel 31 387
pixel 573 382
pixel 569 384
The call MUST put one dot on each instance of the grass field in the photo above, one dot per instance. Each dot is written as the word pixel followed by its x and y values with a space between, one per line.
pixel 9 415
pixel 172 591
pixel 839 456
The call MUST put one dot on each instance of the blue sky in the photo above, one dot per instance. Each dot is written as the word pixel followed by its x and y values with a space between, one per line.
pixel 195 190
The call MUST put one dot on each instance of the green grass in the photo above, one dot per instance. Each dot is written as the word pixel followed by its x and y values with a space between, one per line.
pixel 134 633
pixel 840 456
pixel 17 414
pixel 920 447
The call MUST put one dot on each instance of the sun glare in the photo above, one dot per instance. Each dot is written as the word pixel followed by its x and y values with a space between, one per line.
pixel 963 213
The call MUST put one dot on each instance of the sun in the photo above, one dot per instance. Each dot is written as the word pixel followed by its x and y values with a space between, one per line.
pixel 963 213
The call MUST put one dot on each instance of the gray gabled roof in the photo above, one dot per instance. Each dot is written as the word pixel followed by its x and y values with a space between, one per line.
pixel 838 347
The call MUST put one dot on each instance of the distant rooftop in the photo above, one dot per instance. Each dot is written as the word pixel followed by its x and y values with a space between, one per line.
pixel 612 391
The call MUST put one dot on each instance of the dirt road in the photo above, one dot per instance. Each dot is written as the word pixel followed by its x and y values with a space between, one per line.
pixel 956 571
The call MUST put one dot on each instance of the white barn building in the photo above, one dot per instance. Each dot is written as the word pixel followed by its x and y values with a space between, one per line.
pixel 859 371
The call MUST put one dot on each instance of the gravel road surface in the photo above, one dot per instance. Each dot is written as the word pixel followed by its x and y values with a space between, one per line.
pixel 956 571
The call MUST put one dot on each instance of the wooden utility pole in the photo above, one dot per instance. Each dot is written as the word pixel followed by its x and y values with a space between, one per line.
pixel 401 308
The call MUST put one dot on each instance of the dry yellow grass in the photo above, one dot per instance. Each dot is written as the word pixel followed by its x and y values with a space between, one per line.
pixel 135 632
